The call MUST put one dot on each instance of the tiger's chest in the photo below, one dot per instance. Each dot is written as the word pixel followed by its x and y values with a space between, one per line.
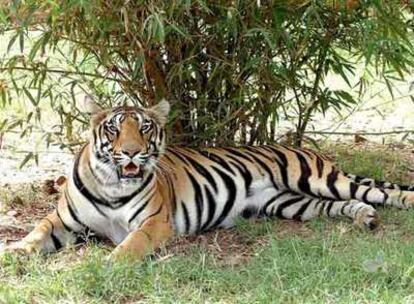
pixel 111 221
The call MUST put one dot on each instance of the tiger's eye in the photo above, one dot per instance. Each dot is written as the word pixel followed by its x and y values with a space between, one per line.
pixel 146 126
pixel 112 128
pixel 111 132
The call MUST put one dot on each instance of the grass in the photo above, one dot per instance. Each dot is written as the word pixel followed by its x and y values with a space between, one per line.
pixel 322 261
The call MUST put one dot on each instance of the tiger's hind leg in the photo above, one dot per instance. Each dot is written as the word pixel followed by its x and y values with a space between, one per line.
pixel 362 214
pixel 295 206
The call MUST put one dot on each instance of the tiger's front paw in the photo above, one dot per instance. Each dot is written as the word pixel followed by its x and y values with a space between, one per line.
pixel 114 256
pixel 20 247
pixel 133 248
pixel 119 254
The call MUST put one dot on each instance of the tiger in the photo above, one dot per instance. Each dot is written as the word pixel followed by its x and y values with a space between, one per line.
pixel 128 186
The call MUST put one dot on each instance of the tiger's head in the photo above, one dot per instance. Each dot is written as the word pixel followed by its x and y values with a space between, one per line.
pixel 129 139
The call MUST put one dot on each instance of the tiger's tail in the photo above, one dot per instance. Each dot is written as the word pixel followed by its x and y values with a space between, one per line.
pixel 371 182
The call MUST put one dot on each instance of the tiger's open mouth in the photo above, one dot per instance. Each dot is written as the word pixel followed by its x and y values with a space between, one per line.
pixel 131 171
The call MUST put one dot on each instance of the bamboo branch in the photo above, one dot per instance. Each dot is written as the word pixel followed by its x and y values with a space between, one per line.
pixel 310 107
pixel 63 72
pixel 37 152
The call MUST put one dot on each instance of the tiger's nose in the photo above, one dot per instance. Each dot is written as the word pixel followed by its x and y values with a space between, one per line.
pixel 131 152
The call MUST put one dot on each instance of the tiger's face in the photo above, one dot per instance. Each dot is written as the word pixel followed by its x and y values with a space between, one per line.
pixel 130 139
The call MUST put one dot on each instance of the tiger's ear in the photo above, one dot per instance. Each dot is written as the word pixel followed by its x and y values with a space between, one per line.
pixel 91 107
pixel 161 111
pixel 96 112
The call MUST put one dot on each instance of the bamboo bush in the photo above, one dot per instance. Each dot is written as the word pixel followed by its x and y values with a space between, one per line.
pixel 231 69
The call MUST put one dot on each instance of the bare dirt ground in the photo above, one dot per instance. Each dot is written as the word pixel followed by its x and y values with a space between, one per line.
pixel 52 161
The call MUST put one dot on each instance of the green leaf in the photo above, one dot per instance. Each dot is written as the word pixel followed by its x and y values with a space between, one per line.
pixel 3 95
pixel 12 41
pixel 17 122
pixel 30 96
pixel 21 41
pixel 345 96
pixel 3 124
pixel 35 48
pixel 26 159
pixel 159 33
pixel 178 30
pixel 389 86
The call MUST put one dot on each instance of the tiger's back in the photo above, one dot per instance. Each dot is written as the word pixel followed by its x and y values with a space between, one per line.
pixel 214 186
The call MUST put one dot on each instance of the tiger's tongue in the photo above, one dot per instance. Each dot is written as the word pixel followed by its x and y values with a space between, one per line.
pixel 130 170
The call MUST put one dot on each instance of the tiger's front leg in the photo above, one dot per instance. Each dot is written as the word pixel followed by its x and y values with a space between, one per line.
pixel 155 230
pixel 51 234
pixel 48 236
